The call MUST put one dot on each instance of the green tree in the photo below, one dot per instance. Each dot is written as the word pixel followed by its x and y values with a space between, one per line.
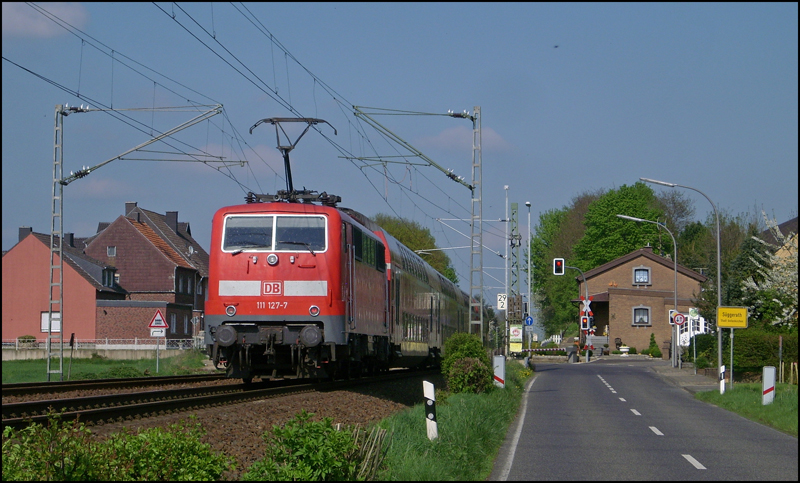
pixel 608 237
pixel 416 237
pixel 554 237
pixel 773 291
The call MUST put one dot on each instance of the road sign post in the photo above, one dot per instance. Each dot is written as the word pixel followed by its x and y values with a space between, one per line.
pixel 732 318
pixel 158 328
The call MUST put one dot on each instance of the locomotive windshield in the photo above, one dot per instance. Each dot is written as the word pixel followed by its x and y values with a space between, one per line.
pixel 274 232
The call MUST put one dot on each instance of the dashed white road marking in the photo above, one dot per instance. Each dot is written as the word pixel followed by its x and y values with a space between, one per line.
pixel 635 412
pixel 622 399
pixel 655 430
pixel 694 462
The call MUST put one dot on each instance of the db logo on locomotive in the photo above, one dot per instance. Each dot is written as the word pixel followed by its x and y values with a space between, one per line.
pixel 272 288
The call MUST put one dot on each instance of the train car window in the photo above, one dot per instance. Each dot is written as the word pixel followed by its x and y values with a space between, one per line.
pixel 380 257
pixel 298 233
pixel 248 232
pixel 358 243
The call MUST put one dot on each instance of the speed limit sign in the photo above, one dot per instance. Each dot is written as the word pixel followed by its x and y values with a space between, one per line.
pixel 680 319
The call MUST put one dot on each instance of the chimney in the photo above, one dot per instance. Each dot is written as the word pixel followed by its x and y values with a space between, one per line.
pixel 648 248
pixel 129 206
pixel 172 220
pixel 137 217
pixel 69 239
pixel 24 231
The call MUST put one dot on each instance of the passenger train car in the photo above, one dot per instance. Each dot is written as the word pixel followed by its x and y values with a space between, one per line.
pixel 311 290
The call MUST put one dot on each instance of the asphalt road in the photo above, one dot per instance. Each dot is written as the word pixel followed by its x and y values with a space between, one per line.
pixel 619 419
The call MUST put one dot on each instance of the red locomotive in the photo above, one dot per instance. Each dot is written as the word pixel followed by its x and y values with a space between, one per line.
pixel 300 287
pixel 311 290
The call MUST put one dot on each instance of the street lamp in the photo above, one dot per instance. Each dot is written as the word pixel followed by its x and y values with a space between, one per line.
pixel 530 270
pixel 675 260
pixel 719 263
pixel 507 345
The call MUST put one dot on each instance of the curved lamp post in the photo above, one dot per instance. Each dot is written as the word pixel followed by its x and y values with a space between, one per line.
pixel 719 263
pixel 675 260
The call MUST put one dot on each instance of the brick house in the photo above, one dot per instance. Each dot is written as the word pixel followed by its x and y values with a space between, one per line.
pixel 160 266
pixel 154 265
pixel 87 282
pixel 631 297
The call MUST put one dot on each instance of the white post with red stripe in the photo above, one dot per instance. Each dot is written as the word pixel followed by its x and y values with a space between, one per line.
pixel 500 371
pixel 768 385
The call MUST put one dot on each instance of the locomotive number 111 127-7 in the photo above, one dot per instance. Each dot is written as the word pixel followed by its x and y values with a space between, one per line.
pixel 272 305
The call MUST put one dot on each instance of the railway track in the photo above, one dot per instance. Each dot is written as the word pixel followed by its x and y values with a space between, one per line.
pixel 26 388
pixel 121 407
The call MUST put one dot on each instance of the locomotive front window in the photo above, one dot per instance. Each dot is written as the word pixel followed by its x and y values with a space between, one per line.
pixel 248 233
pixel 299 233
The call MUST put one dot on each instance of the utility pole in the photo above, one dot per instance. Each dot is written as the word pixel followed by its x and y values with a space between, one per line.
pixel 476 227
pixel 56 288
pixel 515 299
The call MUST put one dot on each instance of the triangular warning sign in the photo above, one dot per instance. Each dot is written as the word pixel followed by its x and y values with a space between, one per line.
pixel 158 320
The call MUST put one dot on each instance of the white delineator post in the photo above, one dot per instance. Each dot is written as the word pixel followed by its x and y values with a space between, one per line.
pixel 499 364
pixel 768 385
pixel 430 410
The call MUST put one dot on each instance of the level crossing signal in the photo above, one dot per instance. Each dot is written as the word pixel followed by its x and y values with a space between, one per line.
pixel 584 322
pixel 558 266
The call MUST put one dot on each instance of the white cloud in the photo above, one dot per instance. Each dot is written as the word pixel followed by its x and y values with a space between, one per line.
pixel 21 20
pixel 100 188
pixel 460 137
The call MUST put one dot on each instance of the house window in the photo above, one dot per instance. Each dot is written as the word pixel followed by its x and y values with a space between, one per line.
pixel 189 285
pixel 111 251
pixel 185 324
pixel 200 287
pixel 641 316
pixel 116 278
pixel 172 324
pixel 641 275
pixel 56 321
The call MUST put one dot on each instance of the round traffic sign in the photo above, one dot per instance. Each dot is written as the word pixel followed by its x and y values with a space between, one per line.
pixel 529 320
pixel 679 319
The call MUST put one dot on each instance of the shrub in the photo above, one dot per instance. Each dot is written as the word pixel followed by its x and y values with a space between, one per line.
pixel 702 362
pixel 156 454
pixel 58 451
pixel 469 375
pixel 306 451
pixel 632 351
pixel 653 350
pixel 65 451
pixel 461 345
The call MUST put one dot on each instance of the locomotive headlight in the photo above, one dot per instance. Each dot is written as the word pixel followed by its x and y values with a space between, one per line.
pixel 313 311
pixel 230 310
pixel 272 259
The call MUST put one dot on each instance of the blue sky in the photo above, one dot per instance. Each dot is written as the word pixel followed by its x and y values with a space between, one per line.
pixel 573 98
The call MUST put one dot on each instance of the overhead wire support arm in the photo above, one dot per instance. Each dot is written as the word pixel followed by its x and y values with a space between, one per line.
pixel 417 153
pixel 85 171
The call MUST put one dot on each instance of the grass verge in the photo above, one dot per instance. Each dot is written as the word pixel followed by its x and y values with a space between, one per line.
pixel 746 400
pixel 187 362
pixel 471 429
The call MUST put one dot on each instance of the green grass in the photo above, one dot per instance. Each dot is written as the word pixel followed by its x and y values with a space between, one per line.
pixel 187 362
pixel 471 429
pixel 745 400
